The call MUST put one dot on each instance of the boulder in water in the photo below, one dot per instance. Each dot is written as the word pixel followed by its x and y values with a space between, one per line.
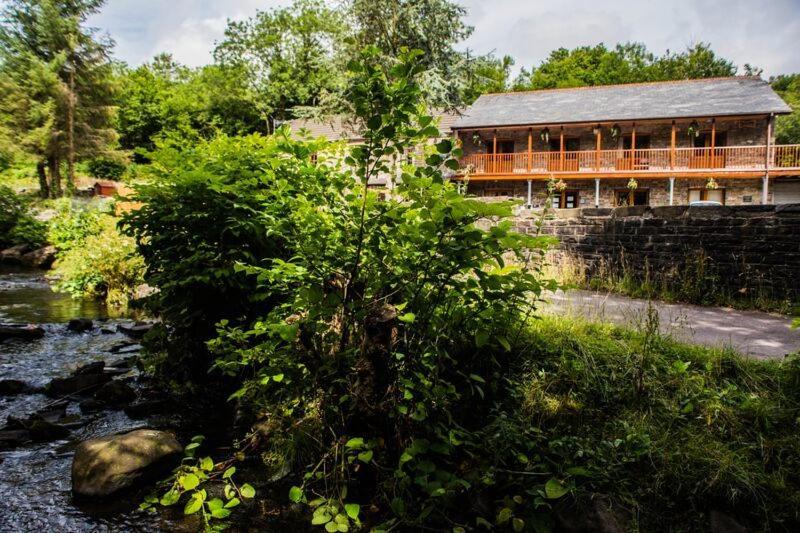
pixel 115 393
pixel 81 383
pixel 79 324
pixel 135 331
pixel 95 367
pixel 10 387
pixel 105 465
pixel 40 258
pixel 43 431
pixel 20 331
pixel 14 254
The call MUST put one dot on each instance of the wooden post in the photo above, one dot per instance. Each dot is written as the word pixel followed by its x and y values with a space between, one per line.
pixel 633 147
pixel 597 149
pixel 672 147
pixel 713 139
pixel 494 151
pixel 530 156
pixel 767 157
pixel 562 156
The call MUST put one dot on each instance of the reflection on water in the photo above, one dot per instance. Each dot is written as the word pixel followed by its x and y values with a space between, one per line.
pixel 35 480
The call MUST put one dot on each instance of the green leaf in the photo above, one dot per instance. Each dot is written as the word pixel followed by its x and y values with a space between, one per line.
pixel 352 510
pixel 476 377
pixel 277 377
pixel 229 472
pixel 233 502
pixel 207 464
pixel 189 481
pixel 365 456
pixel 407 318
pixel 331 527
pixel 504 515
pixel 354 443
pixel 296 494
pixel 481 338
pixel 170 498
pixel 221 513
pixel 518 524
pixel 194 504
pixel 554 489
pixel 320 518
pixel 247 490
pixel 215 503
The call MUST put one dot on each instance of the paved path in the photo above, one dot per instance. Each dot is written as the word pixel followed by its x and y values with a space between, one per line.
pixel 761 335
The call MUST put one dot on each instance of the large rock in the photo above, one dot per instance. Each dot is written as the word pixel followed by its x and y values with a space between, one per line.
pixel 79 324
pixel 135 331
pixel 14 254
pixel 10 387
pixel 43 431
pixel 106 465
pixel 81 383
pixel 115 393
pixel 20 331
pixel 40 258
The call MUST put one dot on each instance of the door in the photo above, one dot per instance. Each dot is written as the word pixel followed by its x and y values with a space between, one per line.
pixel 638 160
pixel 786 192
pixel 503 161
pixel 569 162
pixel 625 197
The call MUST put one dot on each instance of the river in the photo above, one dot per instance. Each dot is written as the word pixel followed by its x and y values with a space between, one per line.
pixel 35 489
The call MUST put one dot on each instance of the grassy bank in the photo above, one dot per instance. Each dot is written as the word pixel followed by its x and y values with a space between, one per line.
pixel 666 432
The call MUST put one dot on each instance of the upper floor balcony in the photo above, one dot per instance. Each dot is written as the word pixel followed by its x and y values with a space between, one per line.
pixel 727 161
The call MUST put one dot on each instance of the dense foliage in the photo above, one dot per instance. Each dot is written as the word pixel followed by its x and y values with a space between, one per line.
pixel 17 224
pixel 93 258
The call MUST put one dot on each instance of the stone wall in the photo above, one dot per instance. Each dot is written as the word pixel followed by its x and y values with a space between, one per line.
pixel 743 249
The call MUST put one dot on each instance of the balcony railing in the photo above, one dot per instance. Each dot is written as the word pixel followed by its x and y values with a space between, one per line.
pixel 728 158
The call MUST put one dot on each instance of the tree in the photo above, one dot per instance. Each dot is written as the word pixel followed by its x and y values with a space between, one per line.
pixel 165 99
pixel 289 55
pixel 433 26
pixel 49 37
pixel 787 128
pixel 487 74
pixel 626 63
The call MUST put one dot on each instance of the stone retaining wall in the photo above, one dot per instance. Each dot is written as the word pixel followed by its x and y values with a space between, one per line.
pixel 742 249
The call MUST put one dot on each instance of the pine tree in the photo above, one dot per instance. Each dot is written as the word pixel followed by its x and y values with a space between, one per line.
pixel 61 83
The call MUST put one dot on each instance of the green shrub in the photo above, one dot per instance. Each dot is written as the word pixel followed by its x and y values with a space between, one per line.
pixel 17 224
pixel 101 265
pixel 104 168
pixel 72 224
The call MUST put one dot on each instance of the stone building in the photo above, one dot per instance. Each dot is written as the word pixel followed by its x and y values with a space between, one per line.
pixel 660 143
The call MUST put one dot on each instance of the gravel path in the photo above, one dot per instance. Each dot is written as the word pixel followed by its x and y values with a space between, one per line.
pixel 758 334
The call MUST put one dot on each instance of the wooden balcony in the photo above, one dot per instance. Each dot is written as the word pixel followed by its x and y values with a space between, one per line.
pixel 729 161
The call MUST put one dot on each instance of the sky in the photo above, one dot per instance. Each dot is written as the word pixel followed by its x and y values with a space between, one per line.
pixel 765 34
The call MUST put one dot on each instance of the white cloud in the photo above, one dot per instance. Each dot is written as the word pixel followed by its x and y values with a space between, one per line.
pixel 764 34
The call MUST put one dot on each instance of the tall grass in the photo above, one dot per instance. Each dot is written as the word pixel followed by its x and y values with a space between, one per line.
pixel 668 431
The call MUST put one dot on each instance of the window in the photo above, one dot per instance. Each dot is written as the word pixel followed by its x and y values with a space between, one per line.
pixel 566 199
pixel 623 197
pixel 707 195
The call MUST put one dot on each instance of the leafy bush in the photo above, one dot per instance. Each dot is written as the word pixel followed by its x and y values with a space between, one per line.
pixel 93 258
pixel 343 317
pixel 104 168
pixel 72 224
pixel 17 224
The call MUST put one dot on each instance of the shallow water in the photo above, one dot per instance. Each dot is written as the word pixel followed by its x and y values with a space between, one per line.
pixel 35 480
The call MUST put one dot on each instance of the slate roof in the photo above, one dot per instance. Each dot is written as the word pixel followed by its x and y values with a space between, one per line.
pixel 338 127
pixel 637 101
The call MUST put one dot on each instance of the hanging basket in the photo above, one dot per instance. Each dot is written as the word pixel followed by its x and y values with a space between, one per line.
pixel 615 131
pixel 633 184
pixel 545 135
pixel 694 130
pixel 712 184
pixel 476 140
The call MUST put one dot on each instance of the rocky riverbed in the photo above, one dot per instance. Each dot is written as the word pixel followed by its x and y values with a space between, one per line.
pixel 71 381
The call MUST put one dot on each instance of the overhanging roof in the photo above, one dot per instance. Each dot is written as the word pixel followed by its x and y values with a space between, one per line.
pixel 712 97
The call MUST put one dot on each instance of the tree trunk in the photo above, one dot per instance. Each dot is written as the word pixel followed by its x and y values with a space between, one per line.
pixel 55 176
pixel 44 188
pixel 71 135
